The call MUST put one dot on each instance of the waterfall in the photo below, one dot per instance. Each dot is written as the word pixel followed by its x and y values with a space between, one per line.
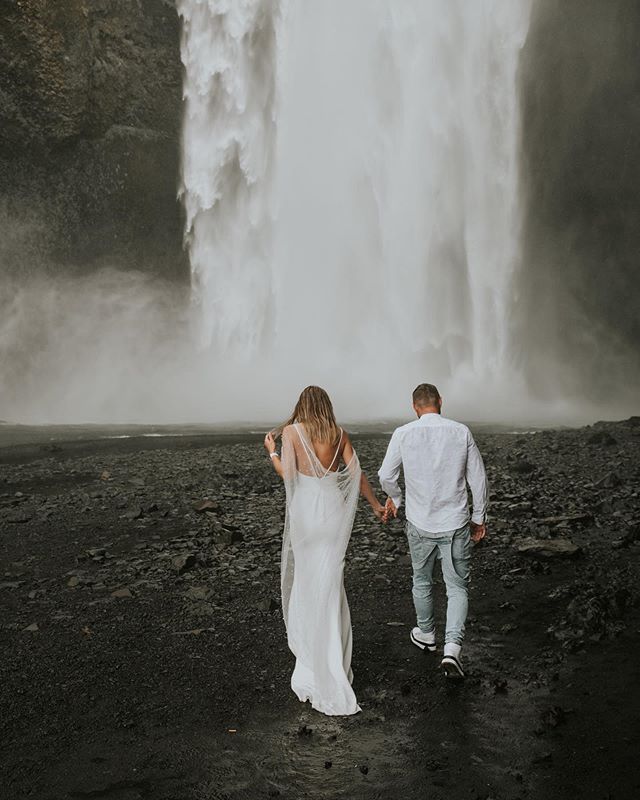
pixel 350 180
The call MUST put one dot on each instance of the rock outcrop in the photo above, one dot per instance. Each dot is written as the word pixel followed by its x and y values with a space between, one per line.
pixel 90 110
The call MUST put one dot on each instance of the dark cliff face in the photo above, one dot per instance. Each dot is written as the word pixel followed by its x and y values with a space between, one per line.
pixel 90 110
pixel 580 97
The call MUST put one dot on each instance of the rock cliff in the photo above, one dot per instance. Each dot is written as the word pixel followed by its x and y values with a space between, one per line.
pixel 90 109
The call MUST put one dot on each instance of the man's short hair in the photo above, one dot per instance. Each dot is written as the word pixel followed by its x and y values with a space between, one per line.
pixel 426 395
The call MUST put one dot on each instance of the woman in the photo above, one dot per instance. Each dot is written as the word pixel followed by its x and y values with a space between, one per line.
pixel 322 479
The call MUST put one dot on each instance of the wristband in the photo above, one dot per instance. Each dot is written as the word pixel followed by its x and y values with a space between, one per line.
pixel 272 455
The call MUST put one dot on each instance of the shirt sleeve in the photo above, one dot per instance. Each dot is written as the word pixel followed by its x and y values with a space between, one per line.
pixel 477 480
pixel 390 470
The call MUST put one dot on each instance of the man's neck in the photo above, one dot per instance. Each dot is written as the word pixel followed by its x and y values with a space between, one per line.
pixel 423 411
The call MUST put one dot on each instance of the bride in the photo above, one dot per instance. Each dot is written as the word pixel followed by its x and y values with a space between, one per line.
pixel 322 478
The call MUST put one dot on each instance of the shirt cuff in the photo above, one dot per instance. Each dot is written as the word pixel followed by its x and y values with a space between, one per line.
pixel 477 519
pixel 397 500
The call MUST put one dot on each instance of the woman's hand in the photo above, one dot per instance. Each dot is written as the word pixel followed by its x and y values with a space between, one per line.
pixel 270 443
pixel 379 511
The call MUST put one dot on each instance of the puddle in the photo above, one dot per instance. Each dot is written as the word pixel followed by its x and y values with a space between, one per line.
pixel 312 756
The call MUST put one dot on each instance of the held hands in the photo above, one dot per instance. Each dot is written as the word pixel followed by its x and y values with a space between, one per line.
pixel 390 510
pixel 478 531
pixel 384 512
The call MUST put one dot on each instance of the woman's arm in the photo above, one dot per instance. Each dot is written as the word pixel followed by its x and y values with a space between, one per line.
pixel 270 446
pixel 365 487
pixel 367 492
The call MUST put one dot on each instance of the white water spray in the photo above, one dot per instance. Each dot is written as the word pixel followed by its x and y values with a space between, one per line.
pixel 351 186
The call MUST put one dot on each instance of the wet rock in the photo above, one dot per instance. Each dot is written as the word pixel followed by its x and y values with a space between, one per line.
pixel 134 513
pixel 73 581
pixel 596 611
pixel 8 502
pixel 184 562
pixel 124 592
pixel 10 584
pixel 631 536
pixel 603 438
pixel 508 628
pixel 609 481
pixel 564 519
pixel 304 731
pixel 268 604
pixel 519 509
pixel 205 505
pixel 523 467
pixel 198 593
pixel 226 536
pixel 19 517
pixel 554 717
pixel 97 553
pixel 547 548
pixel 33 627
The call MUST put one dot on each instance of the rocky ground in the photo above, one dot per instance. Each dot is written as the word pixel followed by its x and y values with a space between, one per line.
pixel 144 656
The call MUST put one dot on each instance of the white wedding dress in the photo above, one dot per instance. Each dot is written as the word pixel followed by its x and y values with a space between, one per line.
pixel 321 505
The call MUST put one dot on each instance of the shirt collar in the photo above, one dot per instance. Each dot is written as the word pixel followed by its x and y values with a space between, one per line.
pixel 425 419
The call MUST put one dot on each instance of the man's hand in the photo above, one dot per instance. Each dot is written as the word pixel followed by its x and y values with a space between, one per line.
pixel 478 531
pixel 390 510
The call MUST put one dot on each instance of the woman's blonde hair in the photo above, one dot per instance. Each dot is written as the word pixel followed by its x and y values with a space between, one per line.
pixel 315 411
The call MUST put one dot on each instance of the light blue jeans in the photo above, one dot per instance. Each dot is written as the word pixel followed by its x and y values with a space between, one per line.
pixel 453 548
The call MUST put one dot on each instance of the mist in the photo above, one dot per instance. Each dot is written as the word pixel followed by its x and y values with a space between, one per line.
pixel 476 229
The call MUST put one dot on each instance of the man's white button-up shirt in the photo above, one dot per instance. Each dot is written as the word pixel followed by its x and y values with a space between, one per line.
pixel 438 457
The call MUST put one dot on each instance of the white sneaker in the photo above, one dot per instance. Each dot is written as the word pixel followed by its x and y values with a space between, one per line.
pixel 425 641
pixel 451 662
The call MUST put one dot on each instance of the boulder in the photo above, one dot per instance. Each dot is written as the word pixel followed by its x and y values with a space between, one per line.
pixel 547 548
pixel 227 536
pixel 205 505
pixel 184 562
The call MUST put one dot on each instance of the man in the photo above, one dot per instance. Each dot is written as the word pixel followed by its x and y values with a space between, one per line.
pixel 438 457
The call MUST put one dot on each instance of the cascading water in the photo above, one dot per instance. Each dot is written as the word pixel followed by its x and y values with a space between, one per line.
pixel 351 193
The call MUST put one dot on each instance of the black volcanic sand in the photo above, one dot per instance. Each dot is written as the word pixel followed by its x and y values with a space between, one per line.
pixel 144 655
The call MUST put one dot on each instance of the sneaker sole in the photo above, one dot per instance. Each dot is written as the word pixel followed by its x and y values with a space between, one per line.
pixel 422 645
pixel 452 668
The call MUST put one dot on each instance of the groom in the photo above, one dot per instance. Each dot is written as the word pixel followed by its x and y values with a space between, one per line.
pixel 438 457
